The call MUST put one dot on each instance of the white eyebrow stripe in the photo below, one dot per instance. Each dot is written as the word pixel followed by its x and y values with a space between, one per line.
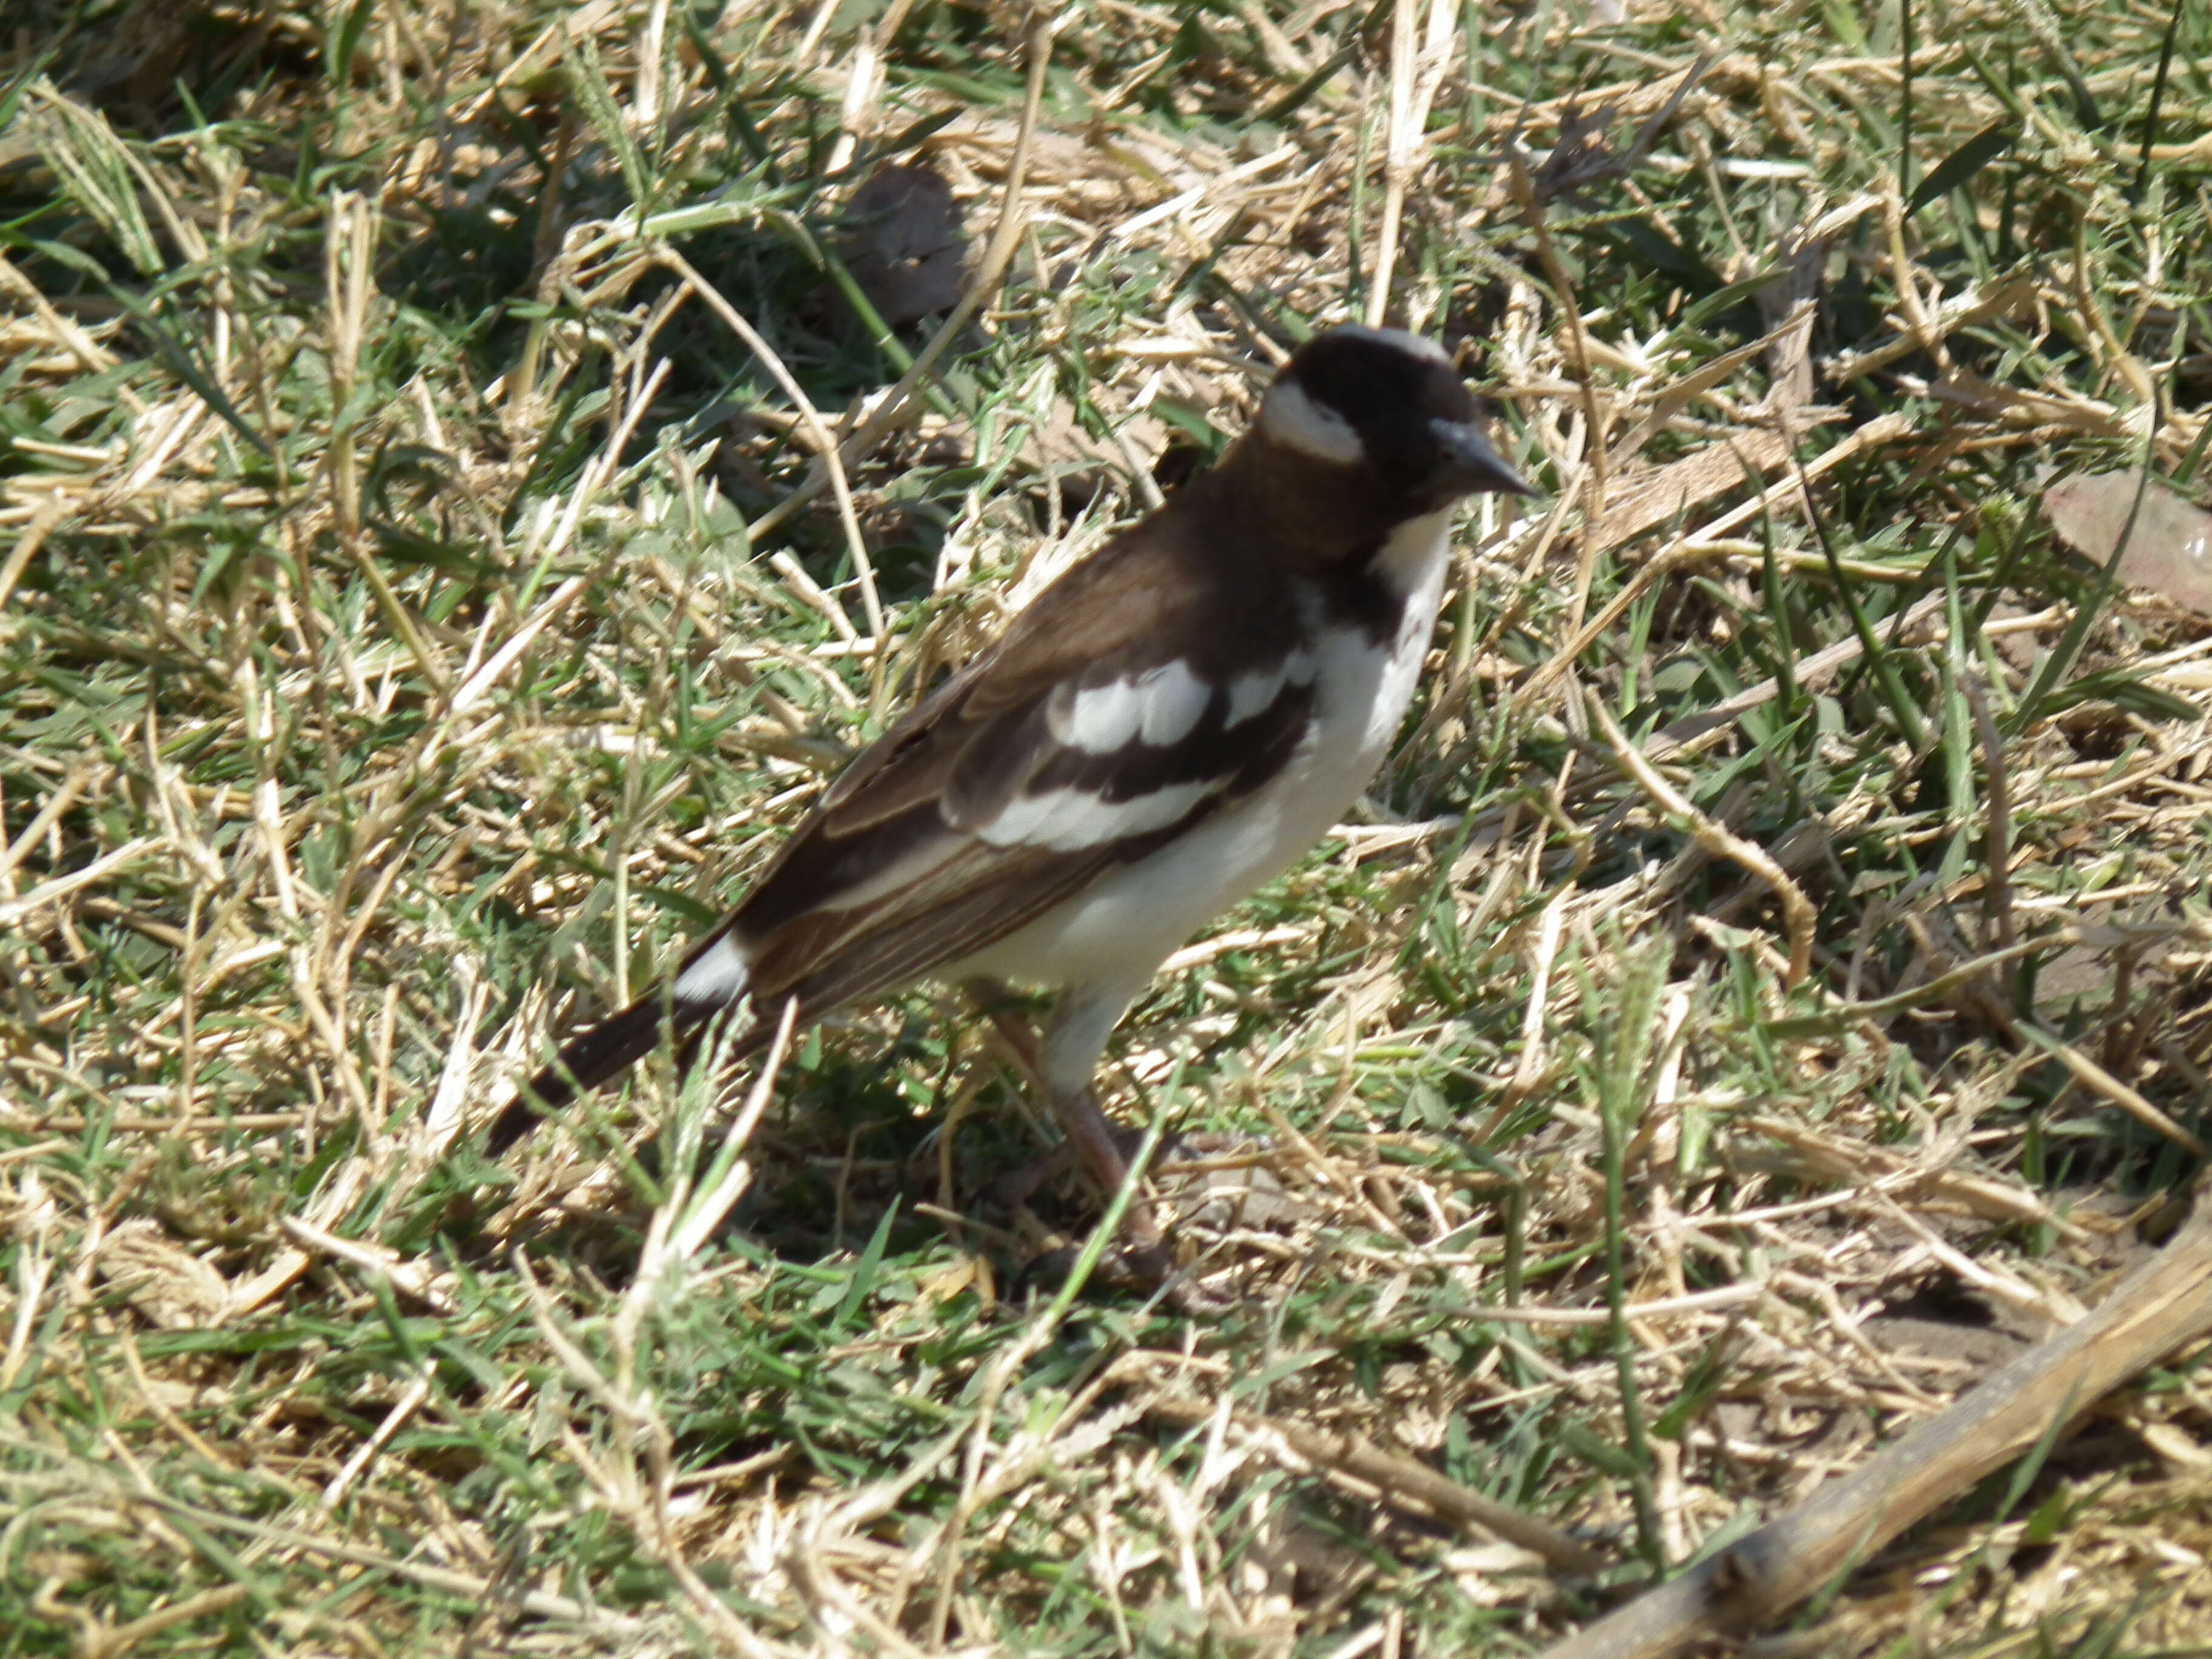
pixel 718 975
pixel 1291 417
pixel 1414 345
pixel 1070 820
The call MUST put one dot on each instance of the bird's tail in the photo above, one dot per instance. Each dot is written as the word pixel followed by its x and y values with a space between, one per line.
pixel 713 977
pixel 608 1049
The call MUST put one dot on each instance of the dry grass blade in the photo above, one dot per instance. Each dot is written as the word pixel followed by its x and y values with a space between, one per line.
pixel 2161 1307
pixel 824 445
pixel 423 608
pixel 1418 57
pixel 28 541
pixel 1400 1480
pixel 1797 913
pixel 896 405
pixel 730 1174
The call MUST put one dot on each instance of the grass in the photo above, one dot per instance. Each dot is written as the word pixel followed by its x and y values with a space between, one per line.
pixel 420 606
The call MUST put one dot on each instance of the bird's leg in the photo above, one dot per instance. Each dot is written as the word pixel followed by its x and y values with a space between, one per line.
pixel 1060 1067
pixel 1092 1134
pixel 994 1001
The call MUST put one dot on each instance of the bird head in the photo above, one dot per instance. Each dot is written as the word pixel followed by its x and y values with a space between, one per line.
pixel 1382 414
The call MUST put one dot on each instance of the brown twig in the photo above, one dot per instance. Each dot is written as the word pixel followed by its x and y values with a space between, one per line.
pixel 1997 856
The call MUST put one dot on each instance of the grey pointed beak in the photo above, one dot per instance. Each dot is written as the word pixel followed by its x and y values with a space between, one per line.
pixel 1472 465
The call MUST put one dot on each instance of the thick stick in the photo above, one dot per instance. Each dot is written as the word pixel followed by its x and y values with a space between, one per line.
pixel 2164 1304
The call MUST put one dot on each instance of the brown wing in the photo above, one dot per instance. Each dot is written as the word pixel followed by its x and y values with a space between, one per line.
pixel 902 847
pixel 1005 791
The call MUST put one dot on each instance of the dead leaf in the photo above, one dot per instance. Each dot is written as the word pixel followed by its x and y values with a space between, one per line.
pixel 903 244
pixel 2169 550
pixel 172 1287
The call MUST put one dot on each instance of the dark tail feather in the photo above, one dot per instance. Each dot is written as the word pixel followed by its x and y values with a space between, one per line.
pixel 608 1049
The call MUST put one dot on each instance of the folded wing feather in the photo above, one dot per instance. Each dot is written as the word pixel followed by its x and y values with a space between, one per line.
pixel 1088 738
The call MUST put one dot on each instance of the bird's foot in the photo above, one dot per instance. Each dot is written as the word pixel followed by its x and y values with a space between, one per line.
pixel 1197 1185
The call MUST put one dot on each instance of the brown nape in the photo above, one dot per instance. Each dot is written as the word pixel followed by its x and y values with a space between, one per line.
pixel 1308 513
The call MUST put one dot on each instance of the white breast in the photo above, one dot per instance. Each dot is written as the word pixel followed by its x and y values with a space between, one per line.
pixel 1132 918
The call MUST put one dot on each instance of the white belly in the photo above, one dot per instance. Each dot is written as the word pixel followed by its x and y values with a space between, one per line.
pixel 1132 918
